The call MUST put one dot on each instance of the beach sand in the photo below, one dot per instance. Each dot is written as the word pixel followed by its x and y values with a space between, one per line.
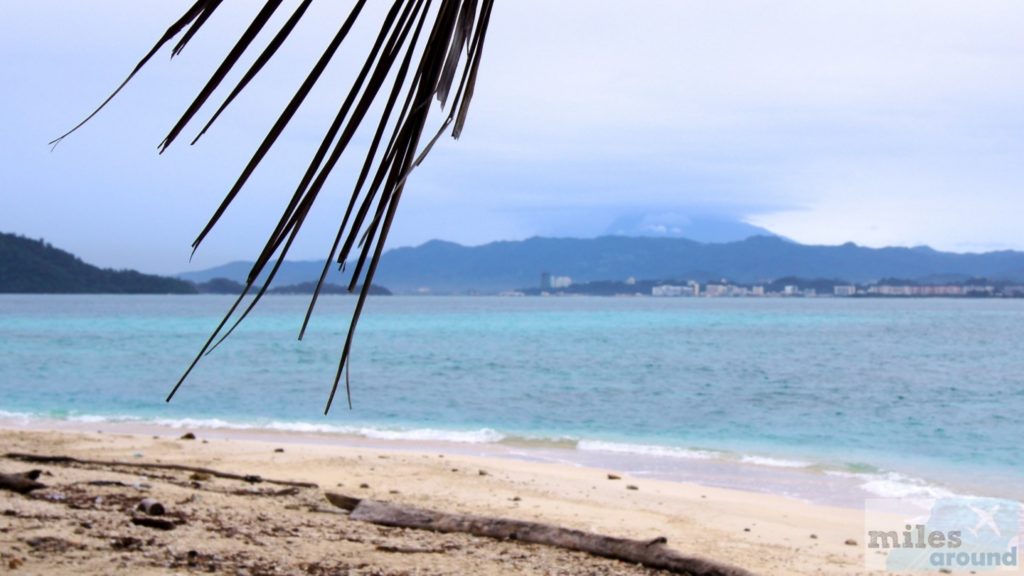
pixel 236 527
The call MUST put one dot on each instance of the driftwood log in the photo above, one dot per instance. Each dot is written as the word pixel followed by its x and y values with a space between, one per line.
pixel 650 553
pixel 150 522
pixel 22 482
pixel 69 461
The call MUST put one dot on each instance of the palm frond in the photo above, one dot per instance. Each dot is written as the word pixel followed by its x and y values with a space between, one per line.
pixel 229 62
pixel 190 15
pixel 452 27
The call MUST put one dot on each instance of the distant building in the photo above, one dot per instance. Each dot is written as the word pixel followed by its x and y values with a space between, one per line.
pixel 949 290
pixel 545 281
pixel 938 290
pixel 631 281
pixel 894 290
pixel 716 290
pixel 668 291
pixel 791 290
pixel 560 282
pixel 726 290
pixel 844 290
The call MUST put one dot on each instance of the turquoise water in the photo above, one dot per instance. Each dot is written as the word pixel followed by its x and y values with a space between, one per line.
pixel 899 396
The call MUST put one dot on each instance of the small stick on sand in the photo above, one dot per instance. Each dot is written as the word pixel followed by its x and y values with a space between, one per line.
pixel 69 461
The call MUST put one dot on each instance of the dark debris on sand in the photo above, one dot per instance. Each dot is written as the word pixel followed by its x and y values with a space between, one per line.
pixel 86 522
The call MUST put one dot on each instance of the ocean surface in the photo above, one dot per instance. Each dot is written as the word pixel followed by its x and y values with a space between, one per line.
pixel 831 400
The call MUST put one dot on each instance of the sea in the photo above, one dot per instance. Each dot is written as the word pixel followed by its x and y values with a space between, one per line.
pixel 830 400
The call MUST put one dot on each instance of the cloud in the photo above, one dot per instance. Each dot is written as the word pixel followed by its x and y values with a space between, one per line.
pixel 882 122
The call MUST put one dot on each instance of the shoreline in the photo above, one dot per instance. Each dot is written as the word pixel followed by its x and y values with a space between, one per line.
pixel 761 532
pixel 795 479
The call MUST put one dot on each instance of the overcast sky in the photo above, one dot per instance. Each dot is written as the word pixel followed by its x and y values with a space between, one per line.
pixel 879 122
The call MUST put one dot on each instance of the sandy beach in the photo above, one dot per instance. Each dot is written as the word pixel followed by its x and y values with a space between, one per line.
pixel 80 523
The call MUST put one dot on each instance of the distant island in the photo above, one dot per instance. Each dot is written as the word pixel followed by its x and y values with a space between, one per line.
pixel 226 286
pixel 603 266
pixel 328 288
pixel 30 266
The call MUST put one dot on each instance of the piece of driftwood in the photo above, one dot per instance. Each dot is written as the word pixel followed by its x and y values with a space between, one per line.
pixel 327 510
pixel 22 482
pixel 409 550
pixel 650 553
pixel 68 460
pixel 117 483
pixel 290 491
pixel 150 522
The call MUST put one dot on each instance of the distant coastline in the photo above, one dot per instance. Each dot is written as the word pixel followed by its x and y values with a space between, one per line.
pixel 608 266
pixel 621 265
pixel 784 288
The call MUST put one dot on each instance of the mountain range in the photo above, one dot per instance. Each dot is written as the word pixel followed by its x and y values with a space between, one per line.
pixel 439 267
pixel 445 267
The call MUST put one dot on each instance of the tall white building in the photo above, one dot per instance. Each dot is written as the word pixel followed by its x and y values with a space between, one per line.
pixel 560 282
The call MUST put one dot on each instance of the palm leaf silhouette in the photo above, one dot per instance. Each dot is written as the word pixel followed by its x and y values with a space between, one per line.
pixel 423 45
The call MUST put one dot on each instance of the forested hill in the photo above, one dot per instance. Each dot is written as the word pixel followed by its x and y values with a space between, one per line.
pixel 33 266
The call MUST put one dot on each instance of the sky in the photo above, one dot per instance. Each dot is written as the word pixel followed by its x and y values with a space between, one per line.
pixel 895 122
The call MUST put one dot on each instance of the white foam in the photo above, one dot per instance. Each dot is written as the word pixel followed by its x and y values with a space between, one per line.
pixel 92 418
pixel 899 486
pixel 212 423
pixel 844 474
pixel 482 436
pixel 20 416
pixel 895 485
pixel 646 450
pixel 309 427
pixel 775 462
